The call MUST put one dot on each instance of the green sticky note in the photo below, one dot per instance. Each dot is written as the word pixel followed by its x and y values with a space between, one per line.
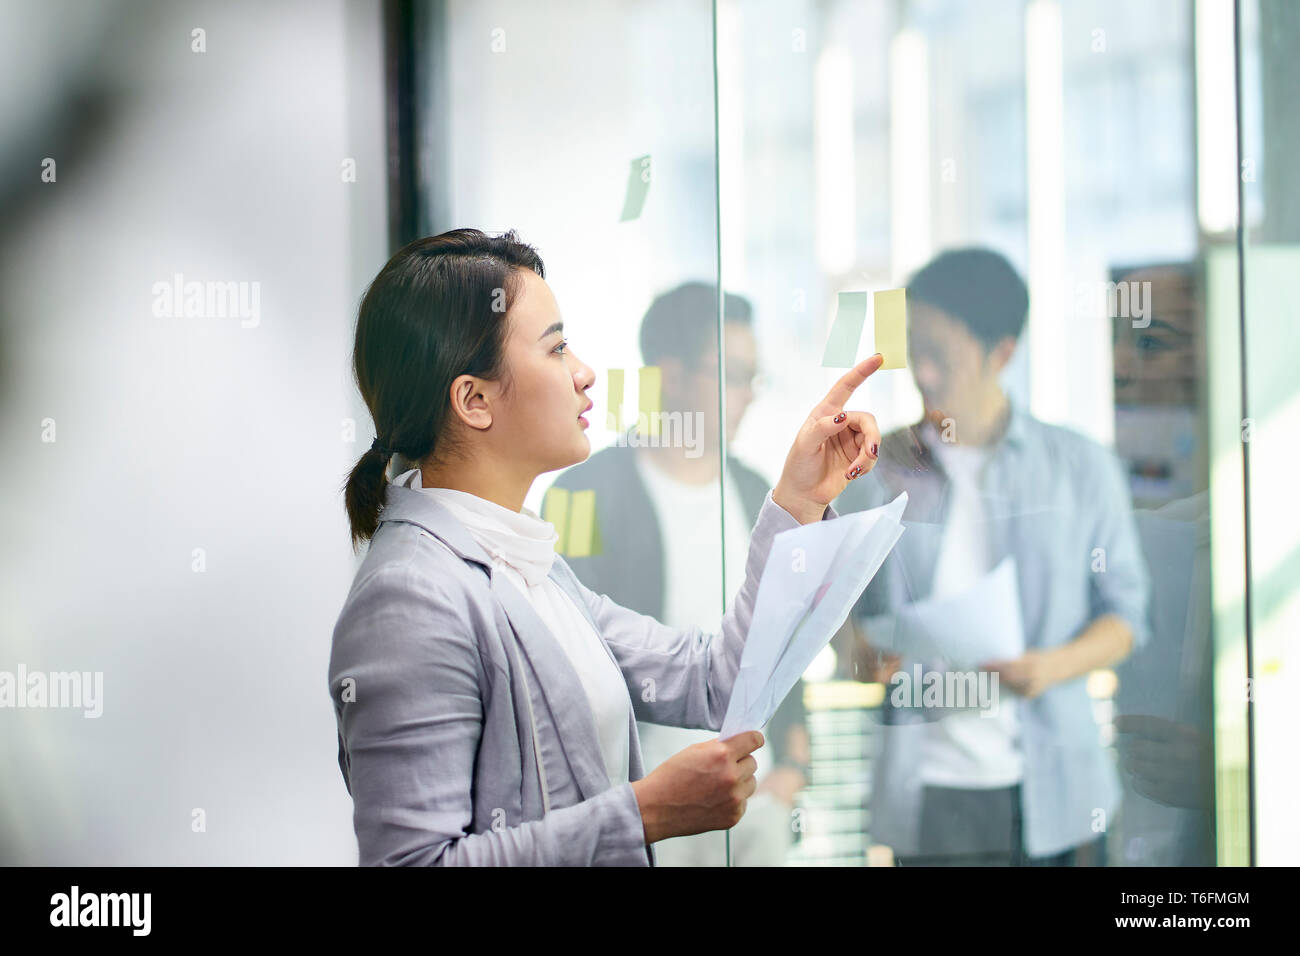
pixel 638 185
pixel 842 343
pixel 649 387
pixel 891 326
pixel 614 401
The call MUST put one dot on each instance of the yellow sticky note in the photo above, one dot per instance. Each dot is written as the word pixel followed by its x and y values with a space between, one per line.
pixel 583 539
pixel 614 402
pixel 555 509
pixel 577 528
pixel 649 387
pixel 596 544
pixel 890 307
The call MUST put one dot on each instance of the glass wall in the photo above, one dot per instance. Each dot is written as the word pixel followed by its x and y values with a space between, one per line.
pixel 1265 589
pixel 1055 185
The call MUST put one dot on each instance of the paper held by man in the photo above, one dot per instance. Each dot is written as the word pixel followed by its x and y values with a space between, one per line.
pixel 980 624
pixel 813 576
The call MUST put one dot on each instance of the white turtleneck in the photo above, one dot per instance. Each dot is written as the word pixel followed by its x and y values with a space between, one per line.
pixel 522 548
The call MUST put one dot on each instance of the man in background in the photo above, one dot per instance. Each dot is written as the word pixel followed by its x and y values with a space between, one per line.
pixel 658 511
pixel 1029 782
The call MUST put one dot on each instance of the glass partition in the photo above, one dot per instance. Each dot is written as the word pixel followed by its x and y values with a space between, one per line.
pixel 1264 592
pixel 590 130
pixel 1054 665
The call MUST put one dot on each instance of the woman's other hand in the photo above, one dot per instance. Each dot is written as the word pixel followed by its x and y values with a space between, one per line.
pixel 704 787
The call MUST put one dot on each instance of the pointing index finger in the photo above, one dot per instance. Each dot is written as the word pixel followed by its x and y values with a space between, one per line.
pixel 843 390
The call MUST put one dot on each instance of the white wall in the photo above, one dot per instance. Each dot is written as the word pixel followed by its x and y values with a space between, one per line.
pixel 174 434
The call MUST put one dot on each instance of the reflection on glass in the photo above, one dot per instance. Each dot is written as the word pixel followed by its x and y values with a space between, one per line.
pixel 1047 148
pixel 1021 775
pixel 1029 171
pixel 659 509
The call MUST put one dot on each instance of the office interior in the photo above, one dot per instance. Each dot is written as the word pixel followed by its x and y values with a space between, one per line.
pixel 760 159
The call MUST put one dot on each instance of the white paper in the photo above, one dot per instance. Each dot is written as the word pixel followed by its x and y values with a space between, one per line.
pixel 981 624
pixel 813 576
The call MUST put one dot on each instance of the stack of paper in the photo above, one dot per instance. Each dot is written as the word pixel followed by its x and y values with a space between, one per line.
pixel 813 576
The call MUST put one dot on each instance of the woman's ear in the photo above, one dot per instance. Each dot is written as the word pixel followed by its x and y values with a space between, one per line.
pixel 468 404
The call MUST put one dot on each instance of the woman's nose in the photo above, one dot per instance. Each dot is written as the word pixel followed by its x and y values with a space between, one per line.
pixel 585 376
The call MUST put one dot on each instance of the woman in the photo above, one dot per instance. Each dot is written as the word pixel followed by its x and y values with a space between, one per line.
pixel 486 700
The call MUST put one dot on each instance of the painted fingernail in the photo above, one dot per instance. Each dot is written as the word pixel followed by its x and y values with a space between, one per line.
pixel 839 418
pixel 874 449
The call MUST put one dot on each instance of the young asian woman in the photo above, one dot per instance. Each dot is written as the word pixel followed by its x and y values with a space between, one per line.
pixel 485 699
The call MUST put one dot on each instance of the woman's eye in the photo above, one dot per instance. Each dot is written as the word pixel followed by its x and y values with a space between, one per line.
pixel 560 346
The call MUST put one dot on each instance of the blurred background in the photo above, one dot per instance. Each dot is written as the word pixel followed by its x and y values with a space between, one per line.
pixel 702 180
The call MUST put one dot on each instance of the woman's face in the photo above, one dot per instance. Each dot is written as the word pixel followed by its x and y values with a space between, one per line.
pixel 538 424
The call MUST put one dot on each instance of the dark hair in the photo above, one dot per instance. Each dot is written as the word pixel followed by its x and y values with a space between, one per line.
pixel 683 322
pixel 979 288
pixel 434 312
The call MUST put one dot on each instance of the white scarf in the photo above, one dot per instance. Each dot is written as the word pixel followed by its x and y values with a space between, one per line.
pixel 521 540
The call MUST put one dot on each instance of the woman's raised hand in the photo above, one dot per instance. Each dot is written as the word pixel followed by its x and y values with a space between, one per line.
pixel 833 447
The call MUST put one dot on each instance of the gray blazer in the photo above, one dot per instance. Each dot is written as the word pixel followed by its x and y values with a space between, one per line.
pixel 464 733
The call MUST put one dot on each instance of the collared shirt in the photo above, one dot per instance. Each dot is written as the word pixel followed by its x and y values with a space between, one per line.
pixel 1059 503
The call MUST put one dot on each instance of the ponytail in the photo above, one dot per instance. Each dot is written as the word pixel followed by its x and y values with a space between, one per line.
pixel 364 493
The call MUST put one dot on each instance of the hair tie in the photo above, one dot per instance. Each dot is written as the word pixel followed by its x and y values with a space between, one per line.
pixel 375 446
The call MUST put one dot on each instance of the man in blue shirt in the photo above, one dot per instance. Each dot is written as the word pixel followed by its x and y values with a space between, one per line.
pixel 1031 781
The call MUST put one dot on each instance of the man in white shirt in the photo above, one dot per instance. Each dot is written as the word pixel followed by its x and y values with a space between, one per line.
pixel 986 482
pixel 660 514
